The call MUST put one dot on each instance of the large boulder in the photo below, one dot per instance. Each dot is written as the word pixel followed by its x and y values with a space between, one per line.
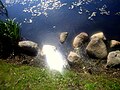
pixel 97 48
pixel 114 43
pixel 79 39
pixel 28 47
pixel 73 57
pixel 63 37
pixel 99 35
pixel 113 58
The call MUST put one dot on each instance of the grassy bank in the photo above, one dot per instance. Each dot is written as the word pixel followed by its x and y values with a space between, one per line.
pixel 13 77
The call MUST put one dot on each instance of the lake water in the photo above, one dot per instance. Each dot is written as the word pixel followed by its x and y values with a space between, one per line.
pixel 43 20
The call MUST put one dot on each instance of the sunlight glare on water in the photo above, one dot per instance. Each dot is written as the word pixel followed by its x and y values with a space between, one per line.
pixel 54 58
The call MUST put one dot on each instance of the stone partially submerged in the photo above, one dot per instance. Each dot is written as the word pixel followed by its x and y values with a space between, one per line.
pixel 63 37
pixel 114 43
pixel 28 47
pixel 97 48
pixel 113 58
pixel 79 39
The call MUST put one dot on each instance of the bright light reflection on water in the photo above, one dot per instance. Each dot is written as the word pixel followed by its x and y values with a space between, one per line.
pixel 54 58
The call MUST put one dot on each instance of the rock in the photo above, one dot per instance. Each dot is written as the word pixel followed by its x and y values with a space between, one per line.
pixel 63 37
pixel 99 35
pixel 114 43
pixel 97 48
pixel 73 57
pixel 28 47
pixel 79 39
pixel 113 58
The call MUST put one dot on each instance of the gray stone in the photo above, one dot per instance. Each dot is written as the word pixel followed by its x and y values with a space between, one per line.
pixel 99 35
pixel 79 39
pixel 28 47
pixel 73 57
pixel 114 43
pixel 113 58
pixel 63 37
pixel 97 48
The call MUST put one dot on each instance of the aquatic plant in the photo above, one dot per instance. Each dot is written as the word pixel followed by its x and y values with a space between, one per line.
pixel 9 37
pixel 10 29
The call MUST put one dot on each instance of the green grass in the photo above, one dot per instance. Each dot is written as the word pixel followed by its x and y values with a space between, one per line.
pixel 13 77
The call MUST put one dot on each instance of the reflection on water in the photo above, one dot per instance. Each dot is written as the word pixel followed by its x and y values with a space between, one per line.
pixel 44 19
pixel 91 7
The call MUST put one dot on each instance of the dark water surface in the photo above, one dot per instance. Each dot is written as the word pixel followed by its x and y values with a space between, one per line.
pixel 43 20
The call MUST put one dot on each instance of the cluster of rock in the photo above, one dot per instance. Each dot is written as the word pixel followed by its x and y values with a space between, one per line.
pixel 97 47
